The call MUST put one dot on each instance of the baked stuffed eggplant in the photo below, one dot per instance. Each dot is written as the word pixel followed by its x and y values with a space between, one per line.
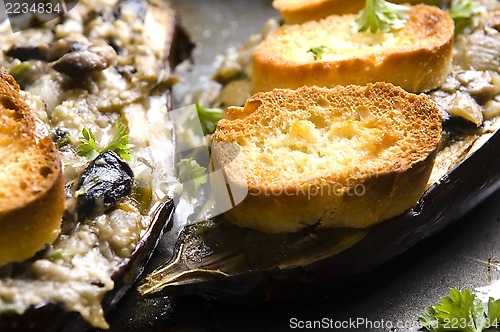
pixel 98 80
pixel 215 259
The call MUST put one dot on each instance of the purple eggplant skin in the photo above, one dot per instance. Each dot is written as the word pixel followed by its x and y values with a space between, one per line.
pixel 457 193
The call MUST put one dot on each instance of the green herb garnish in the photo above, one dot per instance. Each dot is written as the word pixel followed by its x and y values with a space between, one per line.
pixel 460 9
pixel 318 51
pixel 60 137
pixel 381 15
pixel 119 144
pixel 22 73
pixel 208 116
pixel 461 311
pixel 60 254
pixel 88 145
pixel 192 175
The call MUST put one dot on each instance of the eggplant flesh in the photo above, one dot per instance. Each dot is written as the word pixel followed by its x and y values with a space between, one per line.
pixel 73 283
pixel 217 260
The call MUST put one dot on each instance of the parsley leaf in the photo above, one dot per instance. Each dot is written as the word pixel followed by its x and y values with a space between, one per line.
pixel 381 15
pixel 88 145
pixel 192 176
pixel 459 306
pixel 428 319
pixel 460 311
pixel 119 143
pixel 465 9
pixel 462 11
pixel 493 314
pixel 318 51
pixel 208 116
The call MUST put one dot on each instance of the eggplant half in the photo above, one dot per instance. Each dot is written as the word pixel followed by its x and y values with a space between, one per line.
pixel 217 260
pixel 99 80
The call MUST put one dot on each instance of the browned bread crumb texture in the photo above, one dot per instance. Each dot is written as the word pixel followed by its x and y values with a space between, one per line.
pixel 348 156
pixel 417 57
pixel 299 11
pixel 32 188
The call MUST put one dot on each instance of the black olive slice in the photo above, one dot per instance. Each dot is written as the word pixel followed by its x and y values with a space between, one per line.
pixel 106 180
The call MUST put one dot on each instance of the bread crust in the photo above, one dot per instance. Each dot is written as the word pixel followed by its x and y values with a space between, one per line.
pixel 355 194
pixel 419 60
pixel 32 195
pixel 300 11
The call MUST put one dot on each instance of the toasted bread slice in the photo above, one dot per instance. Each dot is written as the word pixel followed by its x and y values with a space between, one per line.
pixel 299 11
pixel 32 189
pixel 349 156
pixel 417 57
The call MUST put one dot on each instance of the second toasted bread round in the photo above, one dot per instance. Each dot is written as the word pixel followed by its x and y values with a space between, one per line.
pixel 417 57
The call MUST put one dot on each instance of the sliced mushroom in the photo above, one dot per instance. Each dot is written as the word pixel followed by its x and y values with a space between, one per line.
pixel 480 84
pixel 70 57
pixel 82 59
pixel 460 104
